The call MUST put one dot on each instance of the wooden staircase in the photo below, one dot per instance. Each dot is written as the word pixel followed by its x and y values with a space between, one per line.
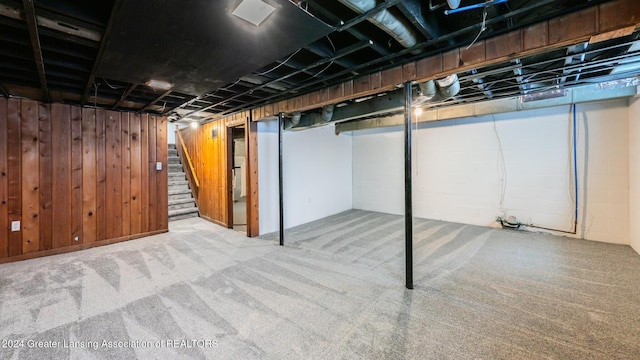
pixel 182 205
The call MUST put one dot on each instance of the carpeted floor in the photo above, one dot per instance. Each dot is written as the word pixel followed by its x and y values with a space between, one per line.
pixel 334 292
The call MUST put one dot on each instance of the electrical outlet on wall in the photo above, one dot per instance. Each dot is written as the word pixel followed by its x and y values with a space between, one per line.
pixel 159 165
pixel 15 226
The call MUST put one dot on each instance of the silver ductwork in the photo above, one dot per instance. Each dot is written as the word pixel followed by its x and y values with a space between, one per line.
pixel 327 112
pixel 299 121
pixel 437 90
pixel 295 118
pixel 449 86
pixel 386 21
pixel 428 90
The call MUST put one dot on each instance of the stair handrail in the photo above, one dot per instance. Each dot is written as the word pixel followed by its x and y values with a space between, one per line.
pixel 184 154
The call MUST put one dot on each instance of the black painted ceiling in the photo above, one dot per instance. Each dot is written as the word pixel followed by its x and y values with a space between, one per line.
pixel 101 52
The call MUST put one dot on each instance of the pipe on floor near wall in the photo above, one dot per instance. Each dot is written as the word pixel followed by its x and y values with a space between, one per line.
pixel 400 30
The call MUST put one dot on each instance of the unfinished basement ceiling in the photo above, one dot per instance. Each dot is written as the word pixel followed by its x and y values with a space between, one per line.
pixel 102 52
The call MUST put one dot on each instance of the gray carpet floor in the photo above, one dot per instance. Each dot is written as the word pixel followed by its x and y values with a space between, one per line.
pixel 334 292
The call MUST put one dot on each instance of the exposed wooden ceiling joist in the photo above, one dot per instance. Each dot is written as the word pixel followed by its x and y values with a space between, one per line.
pixel 30 17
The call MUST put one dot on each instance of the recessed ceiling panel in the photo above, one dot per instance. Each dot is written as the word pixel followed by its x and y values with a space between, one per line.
pixel 198 45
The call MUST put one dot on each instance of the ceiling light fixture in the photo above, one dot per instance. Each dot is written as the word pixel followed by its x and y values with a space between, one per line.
pixel 158 84
pixel 194 124
pixel 253 11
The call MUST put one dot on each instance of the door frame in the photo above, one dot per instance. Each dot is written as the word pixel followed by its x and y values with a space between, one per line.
pixel 251 180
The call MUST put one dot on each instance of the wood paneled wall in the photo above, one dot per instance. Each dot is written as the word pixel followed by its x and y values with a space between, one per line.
pixel 78 177
pixel 210 154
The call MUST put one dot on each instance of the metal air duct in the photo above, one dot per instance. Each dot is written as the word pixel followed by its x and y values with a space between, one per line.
pixel 386 21
pixel 327 112
pixel 437 90
pixel 449 86
pixel 295 118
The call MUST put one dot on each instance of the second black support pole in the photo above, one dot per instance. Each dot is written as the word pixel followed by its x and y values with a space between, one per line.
pixel 280 185
pixel 408 196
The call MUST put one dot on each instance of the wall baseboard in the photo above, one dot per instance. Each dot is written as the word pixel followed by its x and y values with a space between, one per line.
pixel 79 247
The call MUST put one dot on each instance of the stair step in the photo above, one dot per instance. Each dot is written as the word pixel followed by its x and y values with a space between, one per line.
pixel 180 196
pixel 176 190
pixel 182 205
pixel 179 191
pixel 188 205
pixel 183 211
pixel 185 216
pixel 181 201
pixel 178 182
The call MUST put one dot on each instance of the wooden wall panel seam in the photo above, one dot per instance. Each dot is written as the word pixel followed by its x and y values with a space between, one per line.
pixel 136 173
pixel 101 173
pixel 46 180
pixel 30 163
pixel 14 174
pixel 76 176
pixel 89 176
pixel 144 177
pixel 61 183
pixel 4 188
pixel 125 163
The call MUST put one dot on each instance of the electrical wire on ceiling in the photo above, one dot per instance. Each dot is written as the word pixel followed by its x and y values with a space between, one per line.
pixel 323 70
pixel 111 86
pixel 223 88
pixel 279 65
pixel 330 63
pixel 331 42
pixel 482 28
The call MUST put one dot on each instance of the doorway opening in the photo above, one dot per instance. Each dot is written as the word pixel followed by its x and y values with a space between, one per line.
pixel 238 180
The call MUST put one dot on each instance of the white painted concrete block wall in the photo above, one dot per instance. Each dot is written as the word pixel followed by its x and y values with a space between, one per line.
pixel 458 172
pixel 317 175
pixel 634 172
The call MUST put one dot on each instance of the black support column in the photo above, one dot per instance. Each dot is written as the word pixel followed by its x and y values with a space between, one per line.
pixel 408 204
pixel 280 187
